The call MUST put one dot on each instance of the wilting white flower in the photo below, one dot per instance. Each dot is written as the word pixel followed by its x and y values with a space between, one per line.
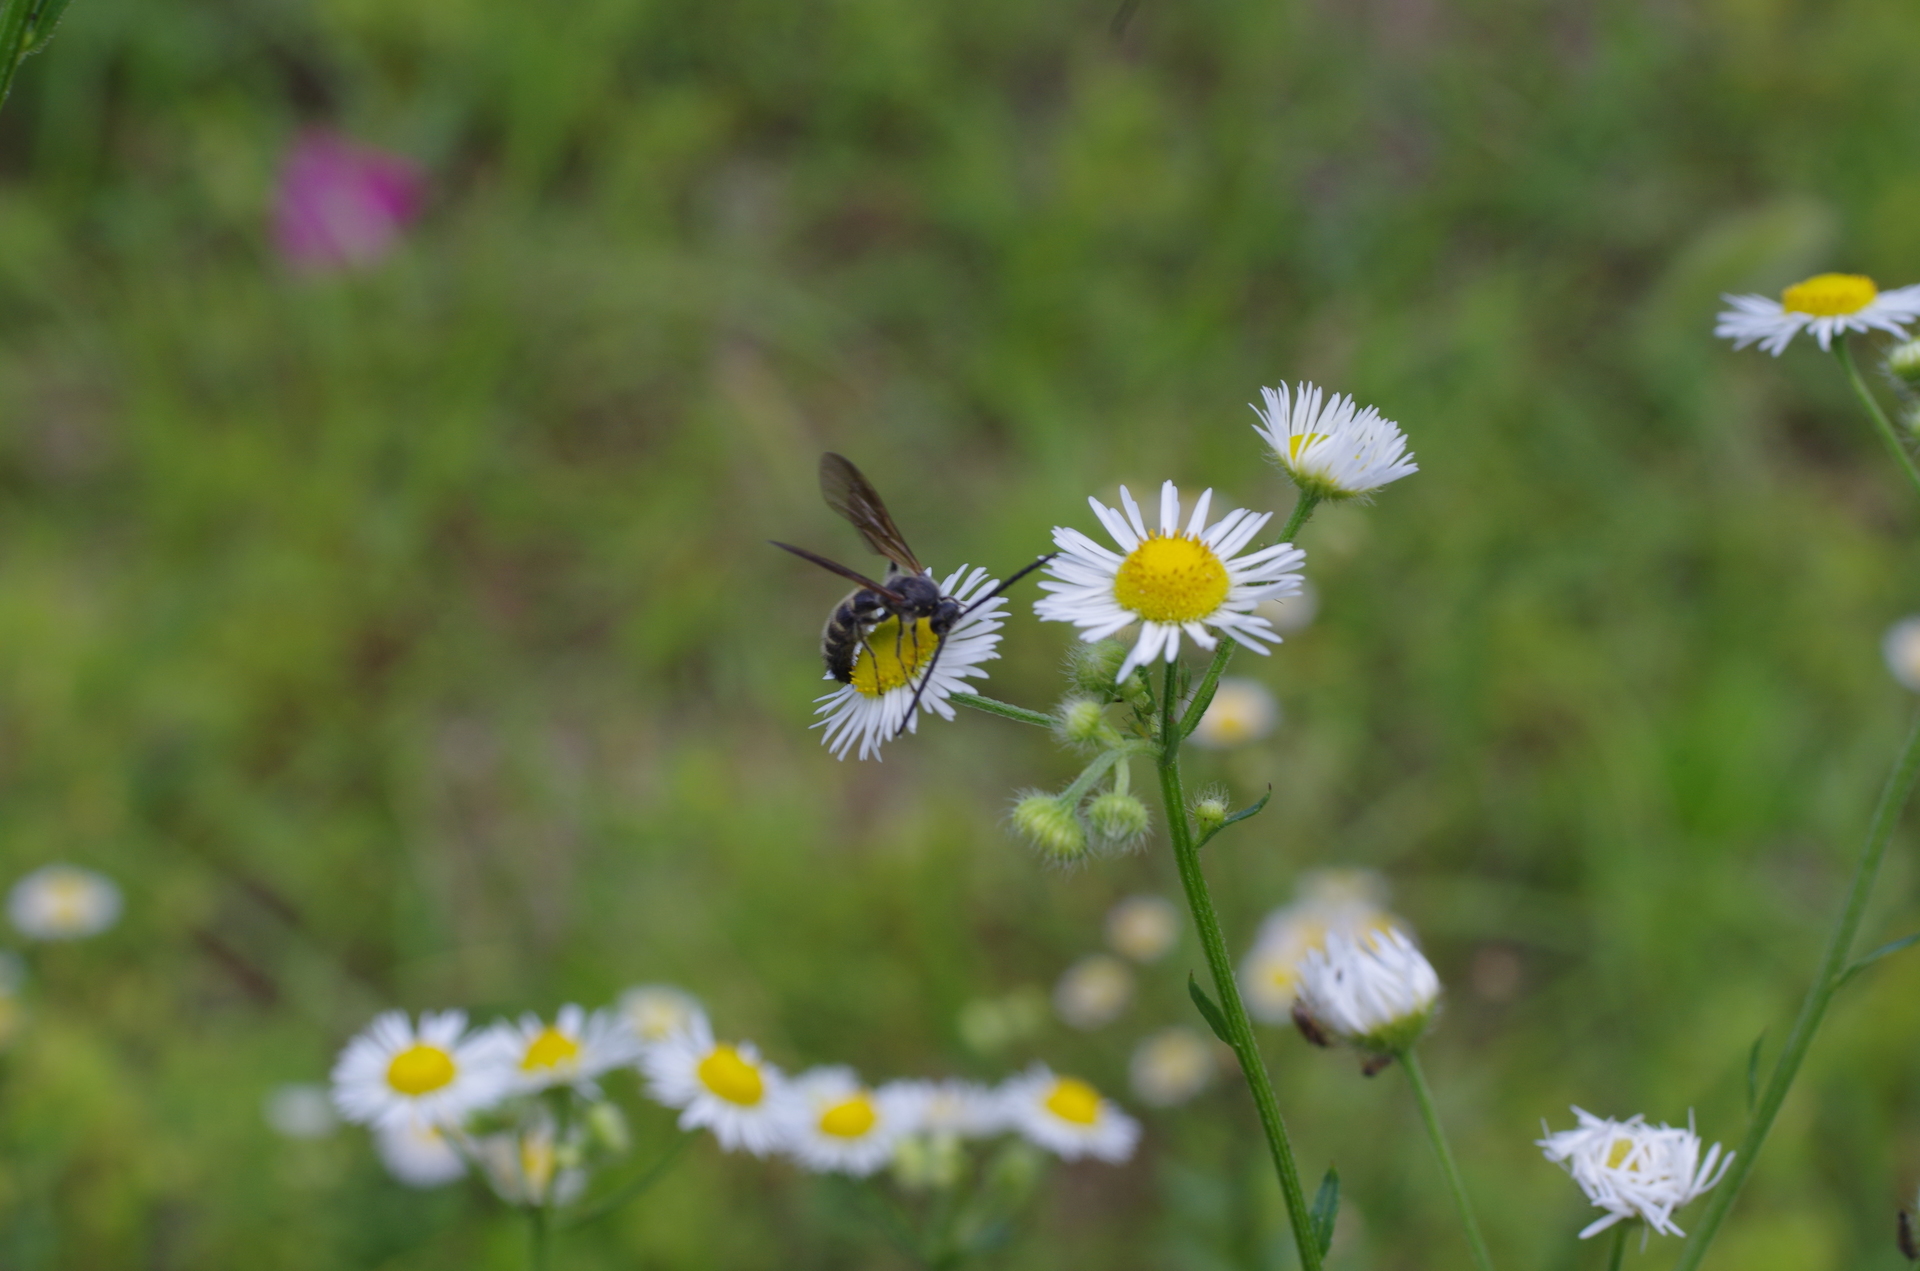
pixel 1329 446
pixel 63 902
pixel 1068 1117
pixel 1331 900
pixel 1374 991
pixel 836 1125
pixel 1093 991
pixel 724 1086
pixel 653 1012
pixel 1241 711
pixel 1172 581
pixel 1828 305
pixel 437 1073
pixel 418 1153
pixel 529 1165
pixel 1902 651
pixel 1634 1170
pixel 571 1051
pixel 1144 928
pixel 893 662
pixel 1171 1067
pixel 300 1111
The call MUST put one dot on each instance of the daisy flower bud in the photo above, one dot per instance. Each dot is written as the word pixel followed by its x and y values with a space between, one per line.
pixel 1374 991
pixel 1094 668
pixel 1210 812
pixel 1053 825
pixel 1119 820
pixel 1331 447
pixel 63 902
pixel 1082 722
pixel 1633 1170
pixel 1827 305
pixel 607 1128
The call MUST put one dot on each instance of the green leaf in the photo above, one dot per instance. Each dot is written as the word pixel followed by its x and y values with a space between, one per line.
pixel 1753 1074
pixel 1326 1207
pixel 1208 1011
pixel 41 28
pixel 1866 960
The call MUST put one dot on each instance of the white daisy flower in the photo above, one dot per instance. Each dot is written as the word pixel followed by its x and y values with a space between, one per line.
pixel 653 1012
pixel 300 1111
pixel 1171 581
pixel 571 1051
pixel 1171 1067
pixel 1634 1170
pixel 1093 991
pixel 63 902
pixel 529 1164
pixel 1350 901
pixel 964 1109
pixel 437 1073
pixel 1241 711
pixel 1374 991
pixel 836 1125
pixel 724 1086
pixel 1329 446
pixel 1828 305
pixel 1144 928
pixel 1068 1117
pixel 419 1153
pixel 1901 648
pixel 892 663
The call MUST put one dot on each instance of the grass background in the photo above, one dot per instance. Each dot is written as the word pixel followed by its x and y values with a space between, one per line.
pixel 410 638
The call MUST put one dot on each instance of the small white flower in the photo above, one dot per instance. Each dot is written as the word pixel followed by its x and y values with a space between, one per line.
pixel 892 663
pixel 63 902
pixel 1093 991
pixel 1241 711
pixel 437 1073
pixel 1171 1067
pixel 1634 1170
pixel 1144 928
pixel 836 1125
pixel 1171 581
pixel 724 1086
pixel 419 1153
pixel 1350 901
pixel 1374 991
pixel 1902 651
pixel 653 1012
pixel 571 1051
pixel 1068 1117
pixel 1828 305
pixel 964 1109
pixel 1329 446
pixel 525 1165
pixel 300 1111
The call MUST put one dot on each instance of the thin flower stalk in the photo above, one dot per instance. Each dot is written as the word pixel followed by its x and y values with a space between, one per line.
pixel 1422 1095
pixel 1884 425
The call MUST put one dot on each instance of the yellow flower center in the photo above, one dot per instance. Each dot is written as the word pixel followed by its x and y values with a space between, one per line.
pixel 420 1069
pixel 1298 443
pixel 549 1050
pixel 890 658
pixel 849 1120
pixel 1074 1100
pixel 1829 295
pixel 1618 1153
pixel 1171 578
pixel 725 1073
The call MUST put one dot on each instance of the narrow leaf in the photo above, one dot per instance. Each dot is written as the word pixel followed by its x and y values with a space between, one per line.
pixel 1753 1074
pixel 41 28
pixel 1866 960
pixel 1253 809
pixel 1208 1011
pixel 1326 1207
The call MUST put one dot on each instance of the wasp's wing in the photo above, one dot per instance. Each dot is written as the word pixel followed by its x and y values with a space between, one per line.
pixel 834 567
pixel 852 496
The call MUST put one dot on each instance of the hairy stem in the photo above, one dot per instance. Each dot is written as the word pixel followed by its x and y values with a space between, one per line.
pixel 1885 426
pixel 1004 710
pixel 1619 1254
pixel 1423 1096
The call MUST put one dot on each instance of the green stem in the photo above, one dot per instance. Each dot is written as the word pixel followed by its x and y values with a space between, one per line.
pixel 1887 432
pixel 1239 1027
pixel 1423 1096
pixel 1833 969
pixel 632 1188
pixel 538 1231
pixel 1019 714
pixel 1619 1254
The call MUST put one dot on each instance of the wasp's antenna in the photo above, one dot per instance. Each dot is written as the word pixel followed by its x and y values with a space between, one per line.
pixel 934 661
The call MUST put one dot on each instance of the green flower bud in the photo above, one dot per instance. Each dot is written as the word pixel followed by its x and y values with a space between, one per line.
pixel 1093 668
pixel 1209 812
pixel 607 1128
pixel 1082 722
pixel 1903 363
pixel 1052 825
pixel 1119 819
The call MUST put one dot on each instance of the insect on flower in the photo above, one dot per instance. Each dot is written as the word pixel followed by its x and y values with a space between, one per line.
pixel 889 633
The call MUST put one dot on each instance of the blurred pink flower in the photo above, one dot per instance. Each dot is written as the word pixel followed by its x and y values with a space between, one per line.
pixel 342 205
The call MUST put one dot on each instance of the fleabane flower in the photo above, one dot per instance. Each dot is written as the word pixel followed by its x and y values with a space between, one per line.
pixel 1332 448
pixel 654 1012
pixel 1171 1067
pixel 1170 580
pixel 1068 1117
pixel 1828 305
pixel 723 1086
pixel 1241 711
pixel 893 661
pixel 1350 901
pixel 837 1125
pixel 1901 648
pixel 435 1073
pixel 1373 991
pixel 1144 928
pixel 1634 1170
pixel 571 1051
pixel 1093 991
pixel 63 902
pixel 964 1109
pixel 419 1153
pixel 530 1164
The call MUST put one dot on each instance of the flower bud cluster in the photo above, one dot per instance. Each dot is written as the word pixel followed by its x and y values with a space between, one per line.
pixel 1085 819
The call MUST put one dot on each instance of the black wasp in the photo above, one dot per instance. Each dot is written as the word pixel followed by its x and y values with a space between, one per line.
pixel 907 594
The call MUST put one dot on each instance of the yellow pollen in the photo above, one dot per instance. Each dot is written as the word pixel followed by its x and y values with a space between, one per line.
pixel 420 1069
pixel 1618 1153
pixel 1074 1100
pixel 849 1120
pixel 1829 295
pixel 1171 578
pixel 549 1050
pixel 731 1077
pixel 1298 443
pixel 891 658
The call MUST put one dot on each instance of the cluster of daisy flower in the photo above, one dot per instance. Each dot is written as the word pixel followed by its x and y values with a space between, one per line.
pixel 442 1097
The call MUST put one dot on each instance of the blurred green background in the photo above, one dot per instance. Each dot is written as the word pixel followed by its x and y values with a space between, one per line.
pixel 410 637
